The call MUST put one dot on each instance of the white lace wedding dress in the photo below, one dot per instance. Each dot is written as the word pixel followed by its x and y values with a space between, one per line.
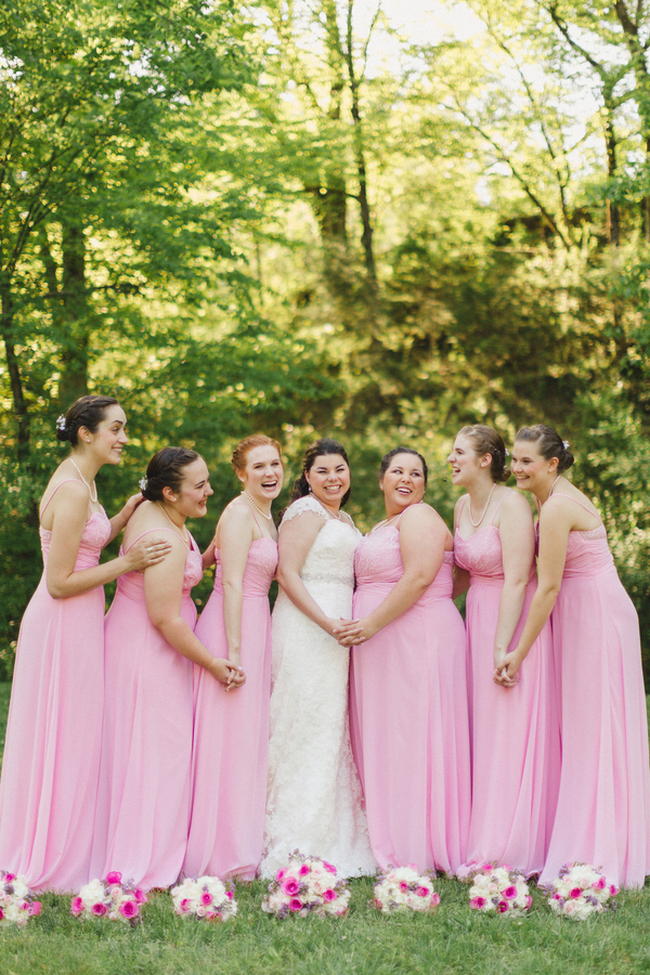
pixel 314 796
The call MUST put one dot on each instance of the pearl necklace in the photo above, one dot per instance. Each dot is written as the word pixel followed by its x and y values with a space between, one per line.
pixel 269 516
pixel 473 523
pixel 92 491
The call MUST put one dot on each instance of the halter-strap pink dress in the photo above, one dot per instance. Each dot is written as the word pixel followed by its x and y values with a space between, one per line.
pixel 48 790
pixel 231 731
pixel 603 809
pixel 514 731
pixel 408 715
pixel 145 795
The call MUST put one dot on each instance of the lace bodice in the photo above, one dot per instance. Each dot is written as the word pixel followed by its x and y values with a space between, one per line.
pixel 378 562
pixel 330 559
pixel 261 564
pixel 96 533
pixel 132 583
pixel 481 553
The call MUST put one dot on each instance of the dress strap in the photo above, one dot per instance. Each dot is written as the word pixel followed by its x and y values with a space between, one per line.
pixel 580 503
pixel 68 480
pixel 150 531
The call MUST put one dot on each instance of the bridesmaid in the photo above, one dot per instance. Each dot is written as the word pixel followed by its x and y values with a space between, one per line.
pixel 229 759
pixel 150 648
pixel 603 810
pixel 49 780
pixel 408 684
pixel 513 800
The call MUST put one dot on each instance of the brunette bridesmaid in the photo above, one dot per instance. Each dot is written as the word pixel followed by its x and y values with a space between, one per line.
pixel 229 758
pixel 603 809
pixel 408 679
pixel 48 791
pixel 514 730
pixel 144 807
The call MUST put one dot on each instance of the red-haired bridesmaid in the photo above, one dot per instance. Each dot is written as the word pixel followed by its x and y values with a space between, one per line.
pixel 229 758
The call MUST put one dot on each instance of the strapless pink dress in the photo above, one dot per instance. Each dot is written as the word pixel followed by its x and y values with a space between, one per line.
pixel 409 720
pixel 603 810
pixel 514 731
pixel 231 732
pixel 143 813
pixel 48 790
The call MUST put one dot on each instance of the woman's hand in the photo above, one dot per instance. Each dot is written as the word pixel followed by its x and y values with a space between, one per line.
pixel 227 673
pixel 355 631
pixel 146 553
pixel 132 503
pixel 507 674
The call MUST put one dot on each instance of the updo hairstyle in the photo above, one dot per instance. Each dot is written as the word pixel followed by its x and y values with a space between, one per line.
pixel 242 449
pixel 87 411
pixel 549 443
pixel 323 446
pixel 487 441
pixel 384 464
pixel 165 469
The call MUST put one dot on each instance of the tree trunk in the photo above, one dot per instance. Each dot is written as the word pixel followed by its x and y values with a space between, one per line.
pixel 20 410
pixel 75 315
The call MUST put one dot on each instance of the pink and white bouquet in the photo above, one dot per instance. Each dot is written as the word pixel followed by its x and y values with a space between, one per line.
pixel 207 897
pixel 404 889
pixel 579 891
pixel 111 898
pixel 307 885
pixel 497 890
pixel 17 903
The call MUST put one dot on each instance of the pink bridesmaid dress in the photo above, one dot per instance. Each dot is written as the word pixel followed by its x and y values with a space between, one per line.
pixel 408 716
pixel 514 731
pixel 231 732
pixel 603 810
pixel 145 790
pixel 48 791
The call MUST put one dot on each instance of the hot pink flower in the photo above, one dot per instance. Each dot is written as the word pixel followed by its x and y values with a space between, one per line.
pixel 305 869
pixel 129 909
pixel 422 891
pixel 280 874
pixel 185 905
pixel 295 904
pixel 477 902
pixel 206 897
pixel 290 886
pixel 140 896
pixel 403 885
pixel 613 889
pixel 114 877
pixel 576 892
pixel 600 884
pixel 35 908
pixel 99 909
pixel 502 907
pixel 329 894
pixel 510 892
pixel 435 898
pixel 8 877
pixel 329 866
pixel 229 894
pixel 2 914
pixel 76 906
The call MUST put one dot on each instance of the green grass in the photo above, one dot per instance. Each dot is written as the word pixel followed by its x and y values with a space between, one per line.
pixel 453 940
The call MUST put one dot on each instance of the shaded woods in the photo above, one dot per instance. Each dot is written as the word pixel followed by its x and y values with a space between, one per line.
pixel 292 217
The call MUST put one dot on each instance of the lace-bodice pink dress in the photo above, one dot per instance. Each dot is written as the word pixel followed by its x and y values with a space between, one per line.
pixel 231 732
pixel 409 715
pixel 48 790
pixel 603 809
pixel 143 813
pixel 314 797
pixel 514 731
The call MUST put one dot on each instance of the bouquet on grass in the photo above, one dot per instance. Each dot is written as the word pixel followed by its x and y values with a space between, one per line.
pixel 404 889
pixel 111 898
pixel 306 885
pixel 497 890
pixel 580 891
pixel 207 897
pixel 17 904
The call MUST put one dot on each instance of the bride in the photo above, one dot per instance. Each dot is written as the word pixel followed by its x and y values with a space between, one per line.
pixel 314 797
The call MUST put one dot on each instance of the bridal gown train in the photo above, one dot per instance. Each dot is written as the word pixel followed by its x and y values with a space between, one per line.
pixel 314 796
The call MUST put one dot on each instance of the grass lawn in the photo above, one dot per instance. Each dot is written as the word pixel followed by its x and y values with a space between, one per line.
pixel 454 940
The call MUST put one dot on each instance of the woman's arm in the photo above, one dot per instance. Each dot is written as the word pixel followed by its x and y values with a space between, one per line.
pixel 460 576
pixel 555 523
pixel 163 591
pixel 121 519
pixel 69 517
pixel 235 538
pixel 295 539
pixel 422 535
pixel 518 552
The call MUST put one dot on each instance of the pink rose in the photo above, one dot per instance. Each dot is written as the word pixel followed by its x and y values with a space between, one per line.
pixel 140 896
pixel 502 907
pixel 280 874
pixel 229 894
pixel 510 892
pixel 290 886
pixel 422 891
pixel 403 885
pixel 99 909
pixel 329 894
pixel 305 869
pixel 2 914
pixel 76 906
pixel 613 889
pixel 329 866
pixel 114 877
pixel 185 905
pixel 600 884
pixel 477 902
pixel 8 877
pixel 35 908
pixel 206 898
pixel 295 904
pixel 129 909
pixel 576 892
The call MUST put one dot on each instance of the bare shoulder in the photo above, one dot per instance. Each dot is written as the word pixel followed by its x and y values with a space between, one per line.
pixel 513 502
pixel 423 515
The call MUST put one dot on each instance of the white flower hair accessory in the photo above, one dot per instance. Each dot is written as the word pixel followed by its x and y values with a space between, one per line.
pixel 60 422
pixel 566 444
pixel 142 484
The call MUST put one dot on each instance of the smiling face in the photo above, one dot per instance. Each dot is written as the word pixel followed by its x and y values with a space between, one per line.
pixel 263 473
pixel 466 464
pixel 109 439
pixel 191 498
pixel 403 483
pixel 329 479
pixel 531 470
